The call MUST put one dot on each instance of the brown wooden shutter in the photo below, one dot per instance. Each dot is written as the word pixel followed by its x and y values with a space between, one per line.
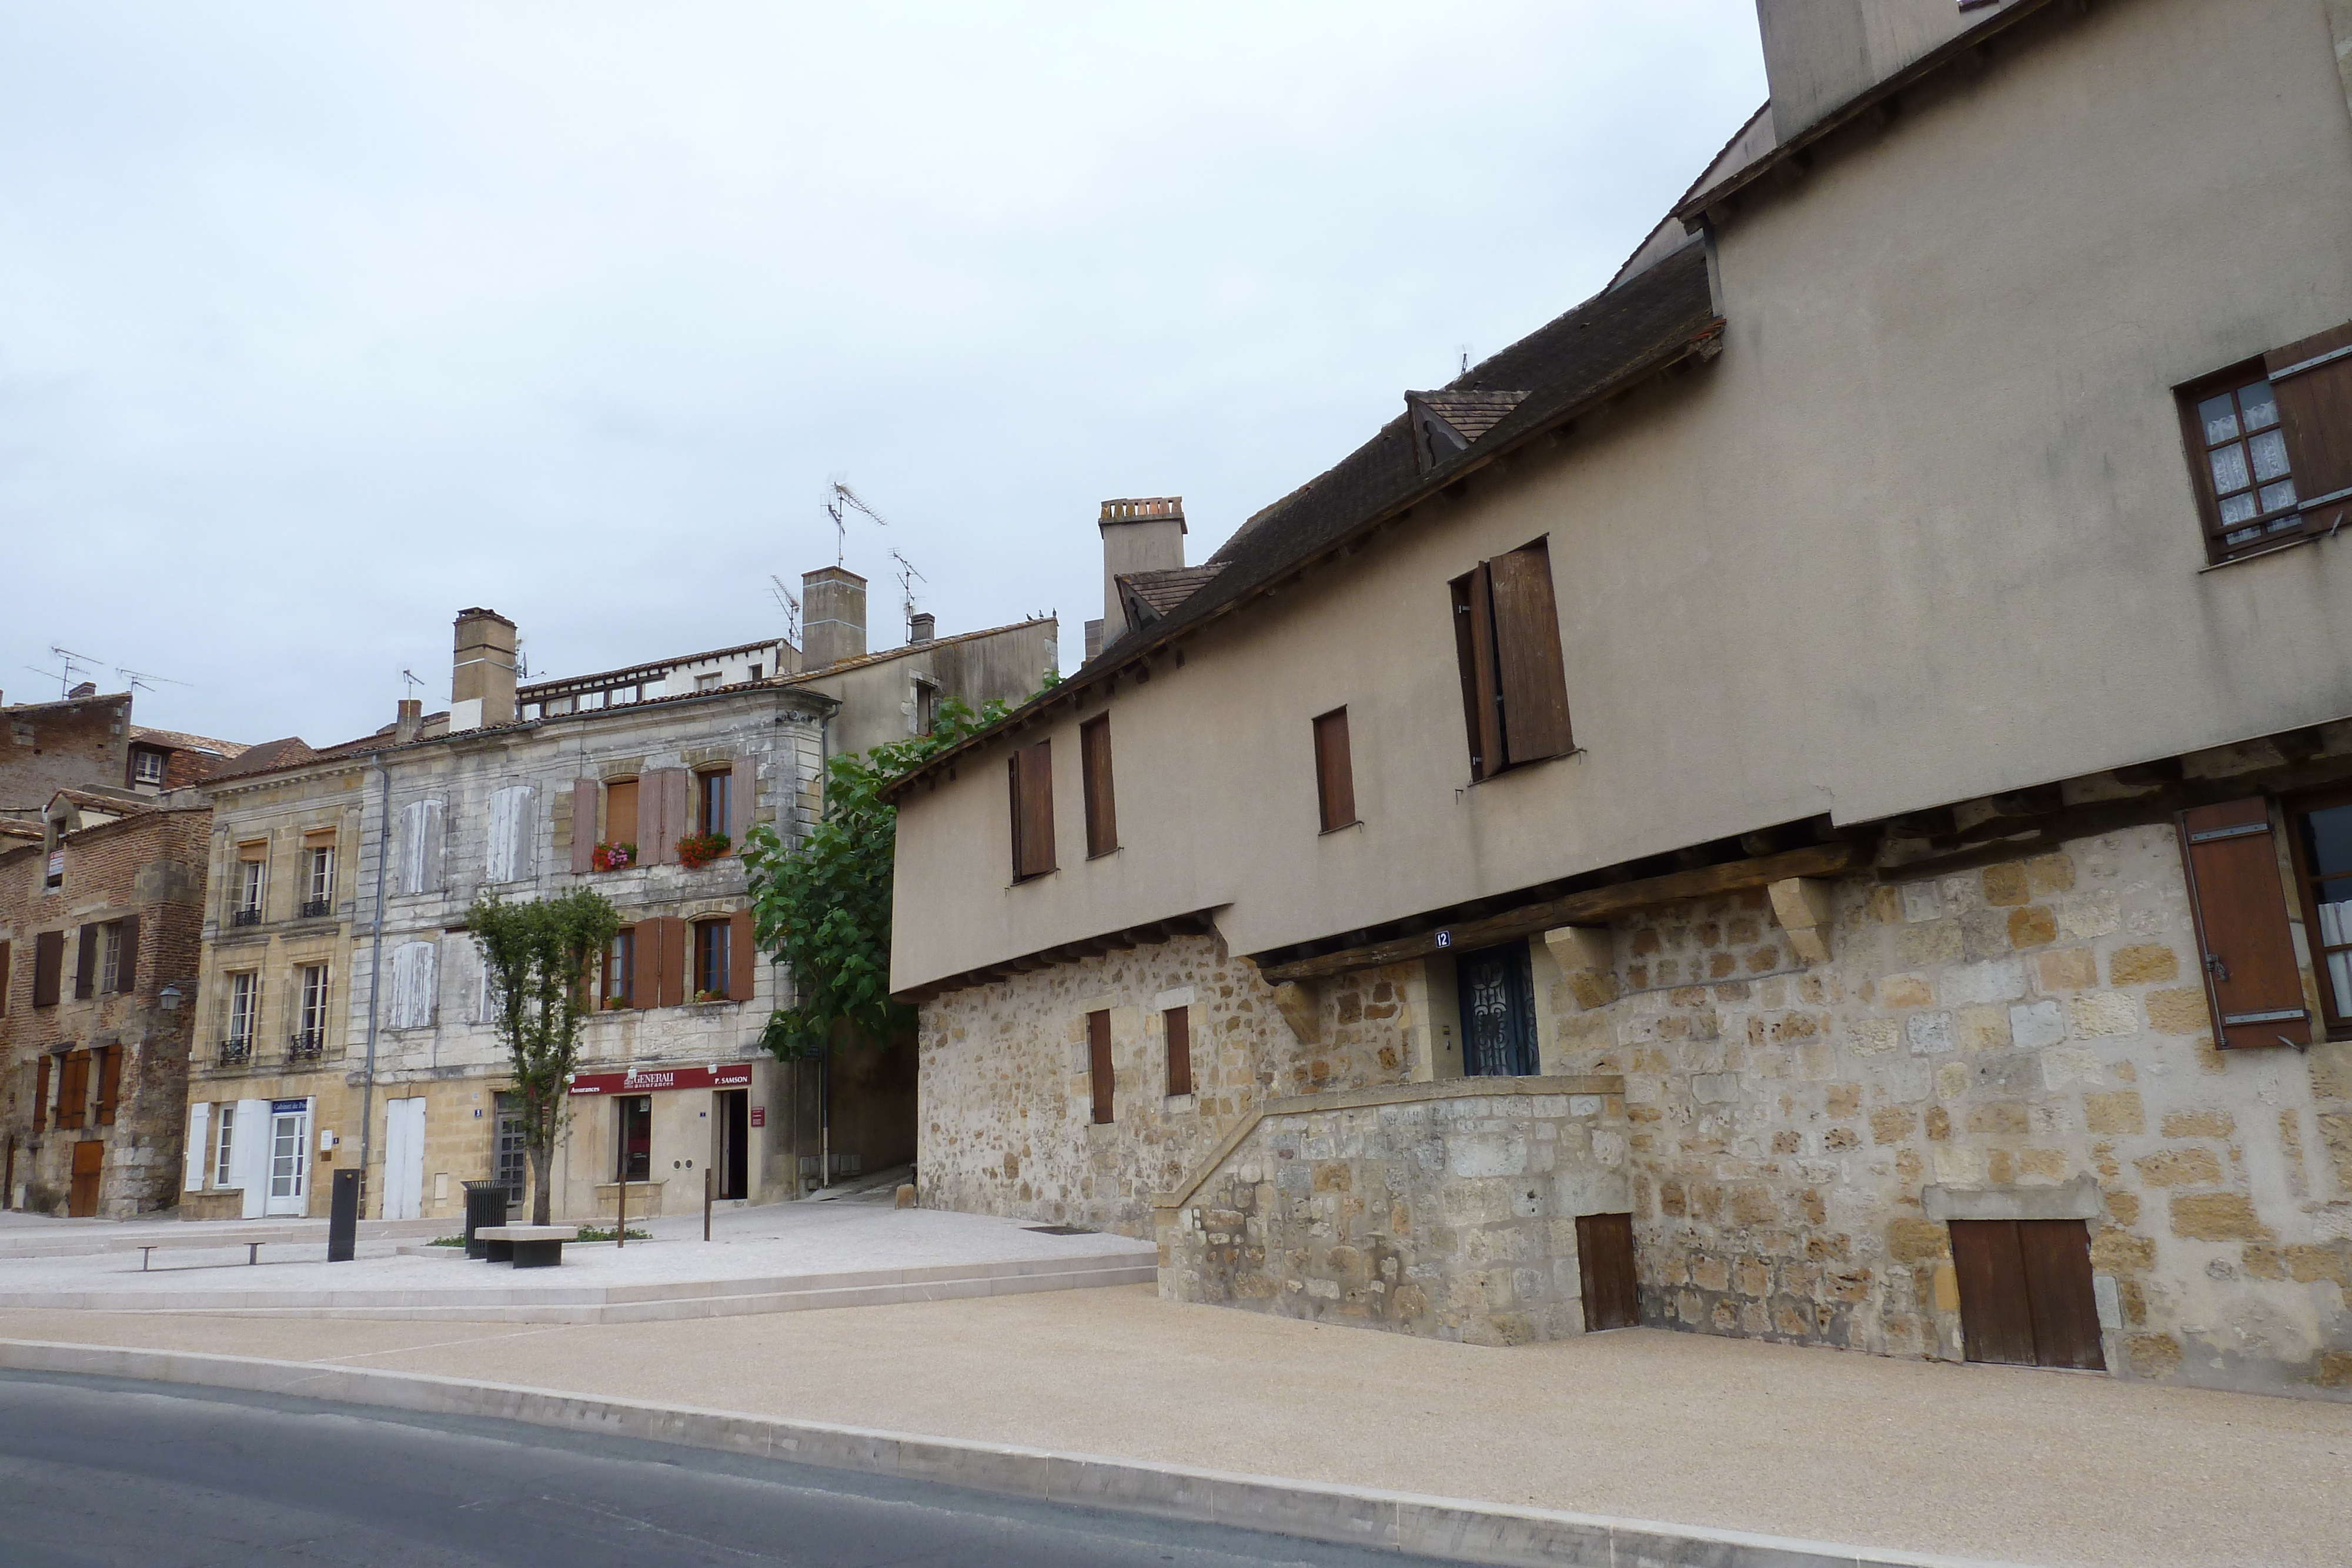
pixel 673 988
pixel 41 1093
pixel 2312 383
pixel 583 826
pixel 6 975
pixel 73 1091
pixel 644 964
pixel 2244 939
pixel 86 963
pixel 1474 645
pixel 621 812
pixel 1180 1050
pixel 1996 1317
pixel 1094 767
pixel 109 1084
pixel 678 787
pixel 126 968
pixel 742 956
pixel 49 968
pixel 1098 1062
pixel 2025 1293
pixel 1033 807
pixel 665 814
pixel 742 796
pixel 1335 770
pixel 1529 671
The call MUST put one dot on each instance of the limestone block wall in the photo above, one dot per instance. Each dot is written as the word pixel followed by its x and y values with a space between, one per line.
pixel 2031 1025
pixel 1445 1209
pixel 1006 1108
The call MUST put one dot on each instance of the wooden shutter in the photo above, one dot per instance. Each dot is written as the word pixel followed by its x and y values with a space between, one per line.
pixel 663 813
pixel 6 974
pixel 1031 771
pixel 41 1093
pixel 109 1084
pixel 2312 383
pixel 2244 939
pixel 126 968
pixel 1098 1062
pixel 673 988
pixel 1094 767
pixel 1604 1262
pixel 49 968
pixel 1474 645
pixel 1996 1318
pixel 86 963
pixel 1529 671
pixel 743 795
pixel 583 826
pixel 73 1092
pixel 1335 770
pixel 742 956
pixel 2025 1293
pixel 1179 1022
pixel 621 812
pixel 677 808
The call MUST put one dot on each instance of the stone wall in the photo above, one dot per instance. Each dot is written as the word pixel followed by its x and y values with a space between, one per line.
pixel 1441 1209
pixel 2026 1026
pixel 1006 1112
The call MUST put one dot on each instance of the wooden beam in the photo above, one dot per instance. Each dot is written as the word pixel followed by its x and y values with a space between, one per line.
pixel 1589 908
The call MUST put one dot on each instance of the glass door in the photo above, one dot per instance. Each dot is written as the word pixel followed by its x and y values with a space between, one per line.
pixel 289 1162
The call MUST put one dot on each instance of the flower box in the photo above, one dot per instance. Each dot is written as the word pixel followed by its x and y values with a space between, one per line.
pixel 698 850
pixel 613 857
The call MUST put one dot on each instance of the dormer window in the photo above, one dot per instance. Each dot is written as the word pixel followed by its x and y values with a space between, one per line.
pixel 147 769
pixel 1445 423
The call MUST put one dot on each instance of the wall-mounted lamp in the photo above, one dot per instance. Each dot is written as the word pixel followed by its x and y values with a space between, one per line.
pixel 169 999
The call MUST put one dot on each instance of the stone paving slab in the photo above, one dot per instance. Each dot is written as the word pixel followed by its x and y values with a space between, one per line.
pixel 1991 1463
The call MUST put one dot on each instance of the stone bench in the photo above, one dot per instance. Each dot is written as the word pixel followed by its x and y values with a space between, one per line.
pixel 526 1246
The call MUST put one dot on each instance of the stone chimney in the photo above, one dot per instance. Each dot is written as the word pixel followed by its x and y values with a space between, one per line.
pixel 1818 58
pixel 1094 640
pixel 1144 534
pixel 411 719
pixel 922 626
pixel 833 616
pixel 482 685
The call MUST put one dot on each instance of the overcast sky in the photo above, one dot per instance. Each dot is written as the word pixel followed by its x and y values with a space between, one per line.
pixel 319 323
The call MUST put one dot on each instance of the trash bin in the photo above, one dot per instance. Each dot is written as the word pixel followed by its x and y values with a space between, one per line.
pixel 485 1205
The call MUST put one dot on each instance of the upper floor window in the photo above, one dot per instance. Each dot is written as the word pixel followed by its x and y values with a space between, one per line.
pixel 707 683
pixel 1335 770
pixel 252 873
pixel 1094 770
pixel 926 707
pixel 244 1013
pixel 713 967
pixel 620 964
pixel 311 1031
pixel 319 892
pixel 2271 445
pixel 1514 683
pixel 1029 780
pixel 109 957
pixel 147 767
pixel 714 801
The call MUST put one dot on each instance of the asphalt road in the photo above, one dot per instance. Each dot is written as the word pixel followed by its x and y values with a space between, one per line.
pixel 101 1471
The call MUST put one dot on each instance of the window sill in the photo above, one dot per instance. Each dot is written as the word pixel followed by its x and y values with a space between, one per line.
pixel 1030 881
pixel 2267 551
pixel 1111 853
pixel 1519 769
pixel 1342 827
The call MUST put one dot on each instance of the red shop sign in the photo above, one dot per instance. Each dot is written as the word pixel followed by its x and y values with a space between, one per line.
pixel 648 1080
pixel 759 1115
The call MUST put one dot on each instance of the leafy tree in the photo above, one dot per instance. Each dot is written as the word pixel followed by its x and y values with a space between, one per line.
pixel 538 955
pixel 823 906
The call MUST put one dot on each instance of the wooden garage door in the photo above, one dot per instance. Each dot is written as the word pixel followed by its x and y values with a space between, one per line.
pixel 1604 1257
pixel 2025 1293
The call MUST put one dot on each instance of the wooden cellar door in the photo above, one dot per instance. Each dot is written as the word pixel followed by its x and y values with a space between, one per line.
pixel 2025 1293
pixel 1604 1257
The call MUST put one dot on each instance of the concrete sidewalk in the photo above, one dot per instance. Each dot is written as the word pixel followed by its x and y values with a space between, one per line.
pixel 1981 1462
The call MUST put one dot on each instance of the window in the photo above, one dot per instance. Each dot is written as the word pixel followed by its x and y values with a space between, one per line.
pixel 73 1089
pixel 2322 864
pixel 1099 1068
pixel 633 1121
pixel 621 811
pixel 620 960
pixel 512 1159
pixel 147 767
pixel 110 959
pixel 244 1012
pixel 1179 1022
pixel 1506 638
pixel 1335 771
pixel 713 801
pixel 757 671
pixel 2270 457
pixel 708 683
pixel 251 876
pixel 2253 982
pixel 225 1142
pixel 1029 774
pixel 1094 773
pixel 109 1082
pixel 556 707
pixel 318 896
pixel 710 960
pixel 926 707
pixel 55 876
pixel 311 1036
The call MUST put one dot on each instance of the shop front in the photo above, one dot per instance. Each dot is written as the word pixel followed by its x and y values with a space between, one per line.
pixel 665 1130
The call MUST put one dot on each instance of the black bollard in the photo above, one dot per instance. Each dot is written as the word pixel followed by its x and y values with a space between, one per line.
pixel 343 1218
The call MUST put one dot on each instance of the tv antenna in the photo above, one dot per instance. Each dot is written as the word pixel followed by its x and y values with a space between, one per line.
pixel 87 664
pixel 414 680
pixel 142 682
pixel 837 505
pixel 790 605
pixel 1464 349
pixel 908 578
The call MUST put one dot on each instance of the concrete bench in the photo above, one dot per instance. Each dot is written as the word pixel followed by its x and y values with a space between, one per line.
pixel 526 1246
pixel 252 1241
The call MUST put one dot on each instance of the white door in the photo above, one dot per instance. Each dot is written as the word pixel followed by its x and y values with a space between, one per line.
pixel 249 1154
pixel 289 1157
pixel 403 1158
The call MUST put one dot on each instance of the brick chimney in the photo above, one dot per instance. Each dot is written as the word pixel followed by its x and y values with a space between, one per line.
pixel 482 685
pixel 411 719
pixel 833 616
pixel 1144 534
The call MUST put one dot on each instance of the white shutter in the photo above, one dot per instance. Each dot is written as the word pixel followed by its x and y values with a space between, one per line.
pixel 510 838
pixel 249 1154
pixel 418 862
pixel 200 1116
pixel 412 981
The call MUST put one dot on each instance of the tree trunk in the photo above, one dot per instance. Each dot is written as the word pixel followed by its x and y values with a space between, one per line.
pixel 541 1156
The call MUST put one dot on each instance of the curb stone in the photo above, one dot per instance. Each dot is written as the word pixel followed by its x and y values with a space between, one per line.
pixel 1447 1528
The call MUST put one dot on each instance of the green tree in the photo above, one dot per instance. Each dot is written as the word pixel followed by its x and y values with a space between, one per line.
pixel 538 955
pixel 823 906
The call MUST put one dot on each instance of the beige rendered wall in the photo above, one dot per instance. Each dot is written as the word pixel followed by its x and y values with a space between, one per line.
pixel 878 697
pixel 1923 532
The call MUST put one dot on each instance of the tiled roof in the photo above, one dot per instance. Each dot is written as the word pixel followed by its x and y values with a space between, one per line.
pixel 1471 411
pixel 177 740
pixel 1162 591
pixel 118 802
pixel 269 754
pixel 16 828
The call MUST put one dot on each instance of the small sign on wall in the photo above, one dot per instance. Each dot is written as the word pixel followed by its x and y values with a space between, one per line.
pixel 759 1115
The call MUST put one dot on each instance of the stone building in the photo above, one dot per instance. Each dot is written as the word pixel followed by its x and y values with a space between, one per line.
pixel 347 1018
pixel 1810 799
pixel 86 740
pixel 99 916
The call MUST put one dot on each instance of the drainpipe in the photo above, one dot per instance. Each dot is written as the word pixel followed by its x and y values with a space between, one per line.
pixel 824 1062
pixel 375 977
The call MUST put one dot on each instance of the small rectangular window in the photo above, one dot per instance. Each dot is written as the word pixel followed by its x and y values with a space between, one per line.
pixel 225 1142
pixel 244 1011
pixel 2270 456
pixel 1098 1066
pixel 1513 680
pixel 620 963
pixel 621 812
pixel 711 955
pixel 147 767
pixel 110 962
pixel 1179 1022
pixel 319 898
pixel 714 802
pixel 1029 774
pixel 310 1033
pixel 1093 768
pixel 707 683
pixel 1335 770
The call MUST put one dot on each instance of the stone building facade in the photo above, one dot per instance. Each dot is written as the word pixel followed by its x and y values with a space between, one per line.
pixel 98 950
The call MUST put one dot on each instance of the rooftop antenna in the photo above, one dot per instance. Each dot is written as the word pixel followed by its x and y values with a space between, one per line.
pixel 85 663
pixel 908 578
pixel 64 677
pixel 790 605
pixel 1464 348
pixel 836 507
pixel 413 679
pixel 142 682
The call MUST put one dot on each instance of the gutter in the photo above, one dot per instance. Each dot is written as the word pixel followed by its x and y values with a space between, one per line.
pixel 375 975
